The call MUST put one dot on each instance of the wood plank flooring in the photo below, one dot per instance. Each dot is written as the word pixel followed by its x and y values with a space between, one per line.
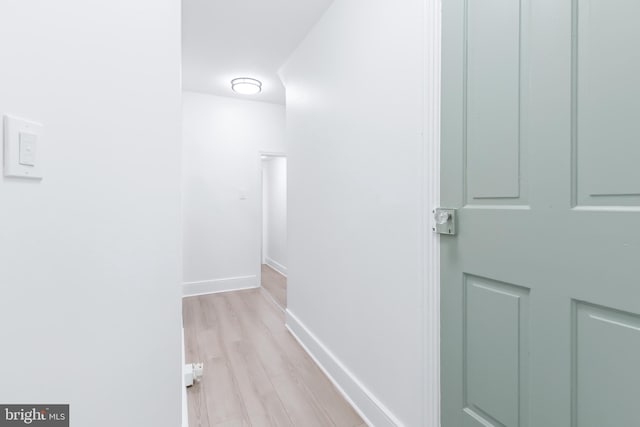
pixel 276 284
pixel 255 372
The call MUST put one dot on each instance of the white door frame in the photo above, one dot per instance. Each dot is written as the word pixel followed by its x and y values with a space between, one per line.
pixel 431 199
pixel 262 154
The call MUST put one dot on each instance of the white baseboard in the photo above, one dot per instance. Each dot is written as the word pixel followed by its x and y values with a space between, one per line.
pixel 372 411
pixel 203 287
pixel 276 266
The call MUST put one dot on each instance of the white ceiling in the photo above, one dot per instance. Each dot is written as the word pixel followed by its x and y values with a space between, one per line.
pixel 224 39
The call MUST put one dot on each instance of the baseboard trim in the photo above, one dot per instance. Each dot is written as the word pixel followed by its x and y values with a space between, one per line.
pixel 372 411
pixel 276 266
pixel 190 289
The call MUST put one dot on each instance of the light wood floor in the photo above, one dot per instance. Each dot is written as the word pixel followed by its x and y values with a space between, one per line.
pixel 255 372
pixel 276 284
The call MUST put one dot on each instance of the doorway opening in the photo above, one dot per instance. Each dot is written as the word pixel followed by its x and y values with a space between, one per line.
pixel 273 251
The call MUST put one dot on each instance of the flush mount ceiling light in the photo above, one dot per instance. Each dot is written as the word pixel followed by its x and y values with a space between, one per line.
pixel 246 86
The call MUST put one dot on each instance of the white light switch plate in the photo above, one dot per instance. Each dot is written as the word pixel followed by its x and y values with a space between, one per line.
pixel 22 147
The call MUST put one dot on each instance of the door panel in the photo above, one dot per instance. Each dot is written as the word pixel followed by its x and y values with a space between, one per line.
pixel 496 350
pixel 605 357
pixel 493 134
pixel 607 102
pixel 540 145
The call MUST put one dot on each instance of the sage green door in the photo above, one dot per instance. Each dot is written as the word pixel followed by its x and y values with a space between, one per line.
pixel 541 155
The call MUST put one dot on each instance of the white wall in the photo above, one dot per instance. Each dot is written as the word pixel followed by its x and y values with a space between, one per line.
pixel 275 213
pixel 90 256
pixel 355 111
pixel 222 140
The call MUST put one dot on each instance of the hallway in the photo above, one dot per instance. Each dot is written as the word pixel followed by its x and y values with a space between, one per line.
pixel 255 371
pixel 421 213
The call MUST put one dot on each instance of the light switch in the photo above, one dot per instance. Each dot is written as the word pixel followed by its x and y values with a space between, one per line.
pixel 22 147
pixel 28 145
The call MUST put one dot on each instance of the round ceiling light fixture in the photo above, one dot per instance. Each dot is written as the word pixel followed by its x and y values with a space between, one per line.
pixel 246 85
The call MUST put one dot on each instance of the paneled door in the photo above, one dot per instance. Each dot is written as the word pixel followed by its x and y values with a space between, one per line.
pixel 541 157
